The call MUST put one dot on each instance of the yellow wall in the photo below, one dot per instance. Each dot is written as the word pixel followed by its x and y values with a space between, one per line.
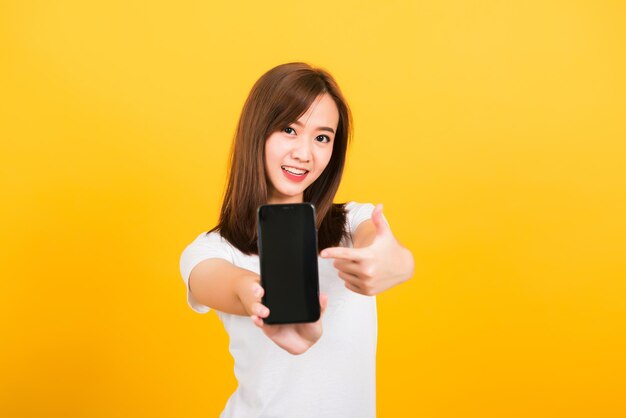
pixel 492 131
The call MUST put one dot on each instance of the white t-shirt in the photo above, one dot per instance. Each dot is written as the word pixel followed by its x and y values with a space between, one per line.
pixel 335 378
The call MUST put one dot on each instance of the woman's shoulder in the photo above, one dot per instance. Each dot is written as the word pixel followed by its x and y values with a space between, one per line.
pixel 212 238
pixel 357 212
pixel 352 207
pixel 211 235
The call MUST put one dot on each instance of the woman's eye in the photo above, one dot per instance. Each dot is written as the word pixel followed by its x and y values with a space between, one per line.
pixel 288 129
pixel 325 138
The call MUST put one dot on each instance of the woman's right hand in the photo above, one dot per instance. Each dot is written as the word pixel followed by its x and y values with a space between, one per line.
pixel 294 338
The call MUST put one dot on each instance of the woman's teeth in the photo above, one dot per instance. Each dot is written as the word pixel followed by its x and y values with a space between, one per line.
pixel 294 171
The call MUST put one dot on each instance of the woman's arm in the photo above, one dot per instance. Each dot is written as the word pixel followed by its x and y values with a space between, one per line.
pixel 220 285
pixel 377 262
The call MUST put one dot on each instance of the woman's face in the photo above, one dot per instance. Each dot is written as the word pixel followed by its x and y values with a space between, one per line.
pixel 297 155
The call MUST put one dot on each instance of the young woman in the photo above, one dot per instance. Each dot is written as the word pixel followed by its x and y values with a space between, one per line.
pixel 290 147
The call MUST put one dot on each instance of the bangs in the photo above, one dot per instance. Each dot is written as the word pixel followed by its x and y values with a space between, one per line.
pixel 294 97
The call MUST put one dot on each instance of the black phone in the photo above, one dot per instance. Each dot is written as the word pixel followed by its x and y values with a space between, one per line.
pixel 287 241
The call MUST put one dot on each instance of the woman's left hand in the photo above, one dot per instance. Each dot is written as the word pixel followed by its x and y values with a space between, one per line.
pixel 373 269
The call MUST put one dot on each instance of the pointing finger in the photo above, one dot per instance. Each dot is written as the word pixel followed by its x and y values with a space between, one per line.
pixel 343 253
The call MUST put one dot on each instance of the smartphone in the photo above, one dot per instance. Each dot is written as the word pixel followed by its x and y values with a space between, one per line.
pixel 287 241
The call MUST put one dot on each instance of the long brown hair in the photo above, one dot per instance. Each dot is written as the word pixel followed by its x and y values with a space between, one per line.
pixel 276 100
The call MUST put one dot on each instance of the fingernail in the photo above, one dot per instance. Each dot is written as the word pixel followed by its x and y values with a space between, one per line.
pixel 323 254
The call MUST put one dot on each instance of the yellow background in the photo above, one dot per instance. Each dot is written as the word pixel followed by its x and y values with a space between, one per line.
pixel 492 131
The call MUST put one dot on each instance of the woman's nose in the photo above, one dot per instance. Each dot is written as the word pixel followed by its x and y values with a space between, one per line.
pixel 302 150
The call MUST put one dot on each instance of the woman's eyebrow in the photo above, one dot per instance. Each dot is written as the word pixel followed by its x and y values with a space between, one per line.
pixel 321 128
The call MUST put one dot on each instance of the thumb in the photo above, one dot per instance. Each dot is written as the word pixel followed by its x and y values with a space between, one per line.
pixel 379 220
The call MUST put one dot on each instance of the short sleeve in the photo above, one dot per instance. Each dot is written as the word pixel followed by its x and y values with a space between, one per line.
pixel 205 246
pixel 357 213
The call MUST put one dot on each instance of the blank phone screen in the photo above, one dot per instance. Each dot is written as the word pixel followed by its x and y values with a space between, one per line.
pixel 288 262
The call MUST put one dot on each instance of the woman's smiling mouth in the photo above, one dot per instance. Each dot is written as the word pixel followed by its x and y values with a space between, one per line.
pixel 293 173
pixel 294 170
